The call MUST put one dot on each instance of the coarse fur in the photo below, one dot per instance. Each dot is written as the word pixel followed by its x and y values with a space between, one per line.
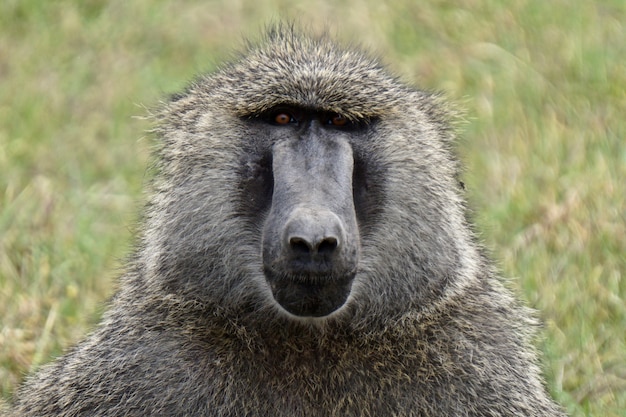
pixel 427 329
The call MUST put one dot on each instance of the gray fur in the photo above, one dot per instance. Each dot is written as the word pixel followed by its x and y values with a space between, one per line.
pixel 428 328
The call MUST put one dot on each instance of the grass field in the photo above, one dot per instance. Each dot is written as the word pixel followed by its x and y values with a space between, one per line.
pixel 543 84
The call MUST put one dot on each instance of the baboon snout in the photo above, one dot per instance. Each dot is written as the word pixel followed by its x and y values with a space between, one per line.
pixel 311 237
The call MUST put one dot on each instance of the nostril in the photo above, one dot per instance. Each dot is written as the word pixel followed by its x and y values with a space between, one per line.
pixel 299 245
pixel 327 246
pixel 302 246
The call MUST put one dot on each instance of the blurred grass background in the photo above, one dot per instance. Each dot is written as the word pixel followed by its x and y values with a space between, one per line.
pixel 544 144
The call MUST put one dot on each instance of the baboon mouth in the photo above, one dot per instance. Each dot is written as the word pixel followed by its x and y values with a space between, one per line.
pixel 310 296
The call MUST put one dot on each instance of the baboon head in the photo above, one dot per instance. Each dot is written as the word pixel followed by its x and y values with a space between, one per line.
pixel 303 179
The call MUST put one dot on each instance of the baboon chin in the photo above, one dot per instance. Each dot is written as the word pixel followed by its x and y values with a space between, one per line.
pixel 302 183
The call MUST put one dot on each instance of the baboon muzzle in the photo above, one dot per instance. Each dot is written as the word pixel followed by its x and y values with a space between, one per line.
pixel 311 238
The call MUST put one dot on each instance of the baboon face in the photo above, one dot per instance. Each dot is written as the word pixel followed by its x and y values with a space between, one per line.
pixel 310 242
pixel 302 178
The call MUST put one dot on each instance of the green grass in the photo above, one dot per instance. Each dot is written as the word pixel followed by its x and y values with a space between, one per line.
pixel 544 143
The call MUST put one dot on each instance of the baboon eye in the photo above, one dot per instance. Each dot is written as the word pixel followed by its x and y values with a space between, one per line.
pixel 283 118
pixel 338 120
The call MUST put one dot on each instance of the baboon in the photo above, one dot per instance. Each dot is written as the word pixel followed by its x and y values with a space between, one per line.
pixel 305 252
